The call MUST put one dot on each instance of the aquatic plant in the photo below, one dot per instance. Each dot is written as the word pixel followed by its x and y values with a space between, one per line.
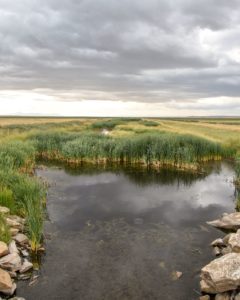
pixel 150 149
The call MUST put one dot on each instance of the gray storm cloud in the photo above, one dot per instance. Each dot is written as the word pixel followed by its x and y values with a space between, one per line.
pixel 146 51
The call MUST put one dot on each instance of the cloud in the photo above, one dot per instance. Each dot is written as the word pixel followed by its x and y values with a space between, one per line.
pixel 146 51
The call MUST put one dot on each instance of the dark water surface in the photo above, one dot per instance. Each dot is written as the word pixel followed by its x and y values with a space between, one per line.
pixel 121 234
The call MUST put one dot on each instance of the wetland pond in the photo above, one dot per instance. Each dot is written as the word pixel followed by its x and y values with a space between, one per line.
pixel 119 234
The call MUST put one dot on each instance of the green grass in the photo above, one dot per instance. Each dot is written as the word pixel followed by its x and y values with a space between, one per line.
pixel 6 199
pixel 5 234
pixel 16 155
pixel 24 195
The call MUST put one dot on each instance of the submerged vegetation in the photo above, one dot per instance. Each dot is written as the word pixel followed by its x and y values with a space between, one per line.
pixel 130 141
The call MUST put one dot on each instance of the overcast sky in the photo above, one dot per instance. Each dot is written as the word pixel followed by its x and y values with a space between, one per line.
pixel 120 57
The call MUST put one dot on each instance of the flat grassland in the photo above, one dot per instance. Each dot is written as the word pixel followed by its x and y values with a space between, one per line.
pixel 223 130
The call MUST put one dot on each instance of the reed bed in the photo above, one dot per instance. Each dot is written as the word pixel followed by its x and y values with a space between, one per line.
pixel 156 150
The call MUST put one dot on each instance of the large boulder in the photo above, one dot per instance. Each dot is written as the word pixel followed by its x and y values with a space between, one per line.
pixel 228 221
pixel 6 285
pixel 222 274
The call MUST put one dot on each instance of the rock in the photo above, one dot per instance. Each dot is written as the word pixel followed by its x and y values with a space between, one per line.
pixel 11 291
pixel 17 298
pixel 226 238
pixel 234 241
pixel 6 285
pixel 222 274
pixel 176 275
pixel 223 296
pixel 21 239
pixel 11 262
pixel 14 224
pixel 237 297
pixel 4 210
pixel 14 231
pixel 226 250
pixel 17 219
pixel 218 243
pixel 24 276
pixel 13 248
pixel 216 251
pixel 12 274
pixel 24 252
pixel 206 297
pixel 26 266
pixel 205 287
pixel 3 249
pixel 228 221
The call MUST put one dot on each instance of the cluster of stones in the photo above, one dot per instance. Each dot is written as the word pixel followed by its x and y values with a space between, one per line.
pixel 220 279
pixel 14 261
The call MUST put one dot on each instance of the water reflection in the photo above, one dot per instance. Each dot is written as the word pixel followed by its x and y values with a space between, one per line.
pixel 119 234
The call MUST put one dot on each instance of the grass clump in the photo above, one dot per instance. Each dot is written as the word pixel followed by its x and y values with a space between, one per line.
pixel 27 197
pixel 17 155
pixel 5 234
pixel 6 198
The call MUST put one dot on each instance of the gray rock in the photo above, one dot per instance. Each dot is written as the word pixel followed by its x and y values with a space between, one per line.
pixel 216 251
pixel 228 221
pixel 222 274
pixel 26 266
pixel 13 248
pixel 21 239
pixel 17 298
pixel 11 262
pixel 218 243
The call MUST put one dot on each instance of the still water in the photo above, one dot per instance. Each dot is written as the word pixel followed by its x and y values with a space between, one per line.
pixel 121 234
